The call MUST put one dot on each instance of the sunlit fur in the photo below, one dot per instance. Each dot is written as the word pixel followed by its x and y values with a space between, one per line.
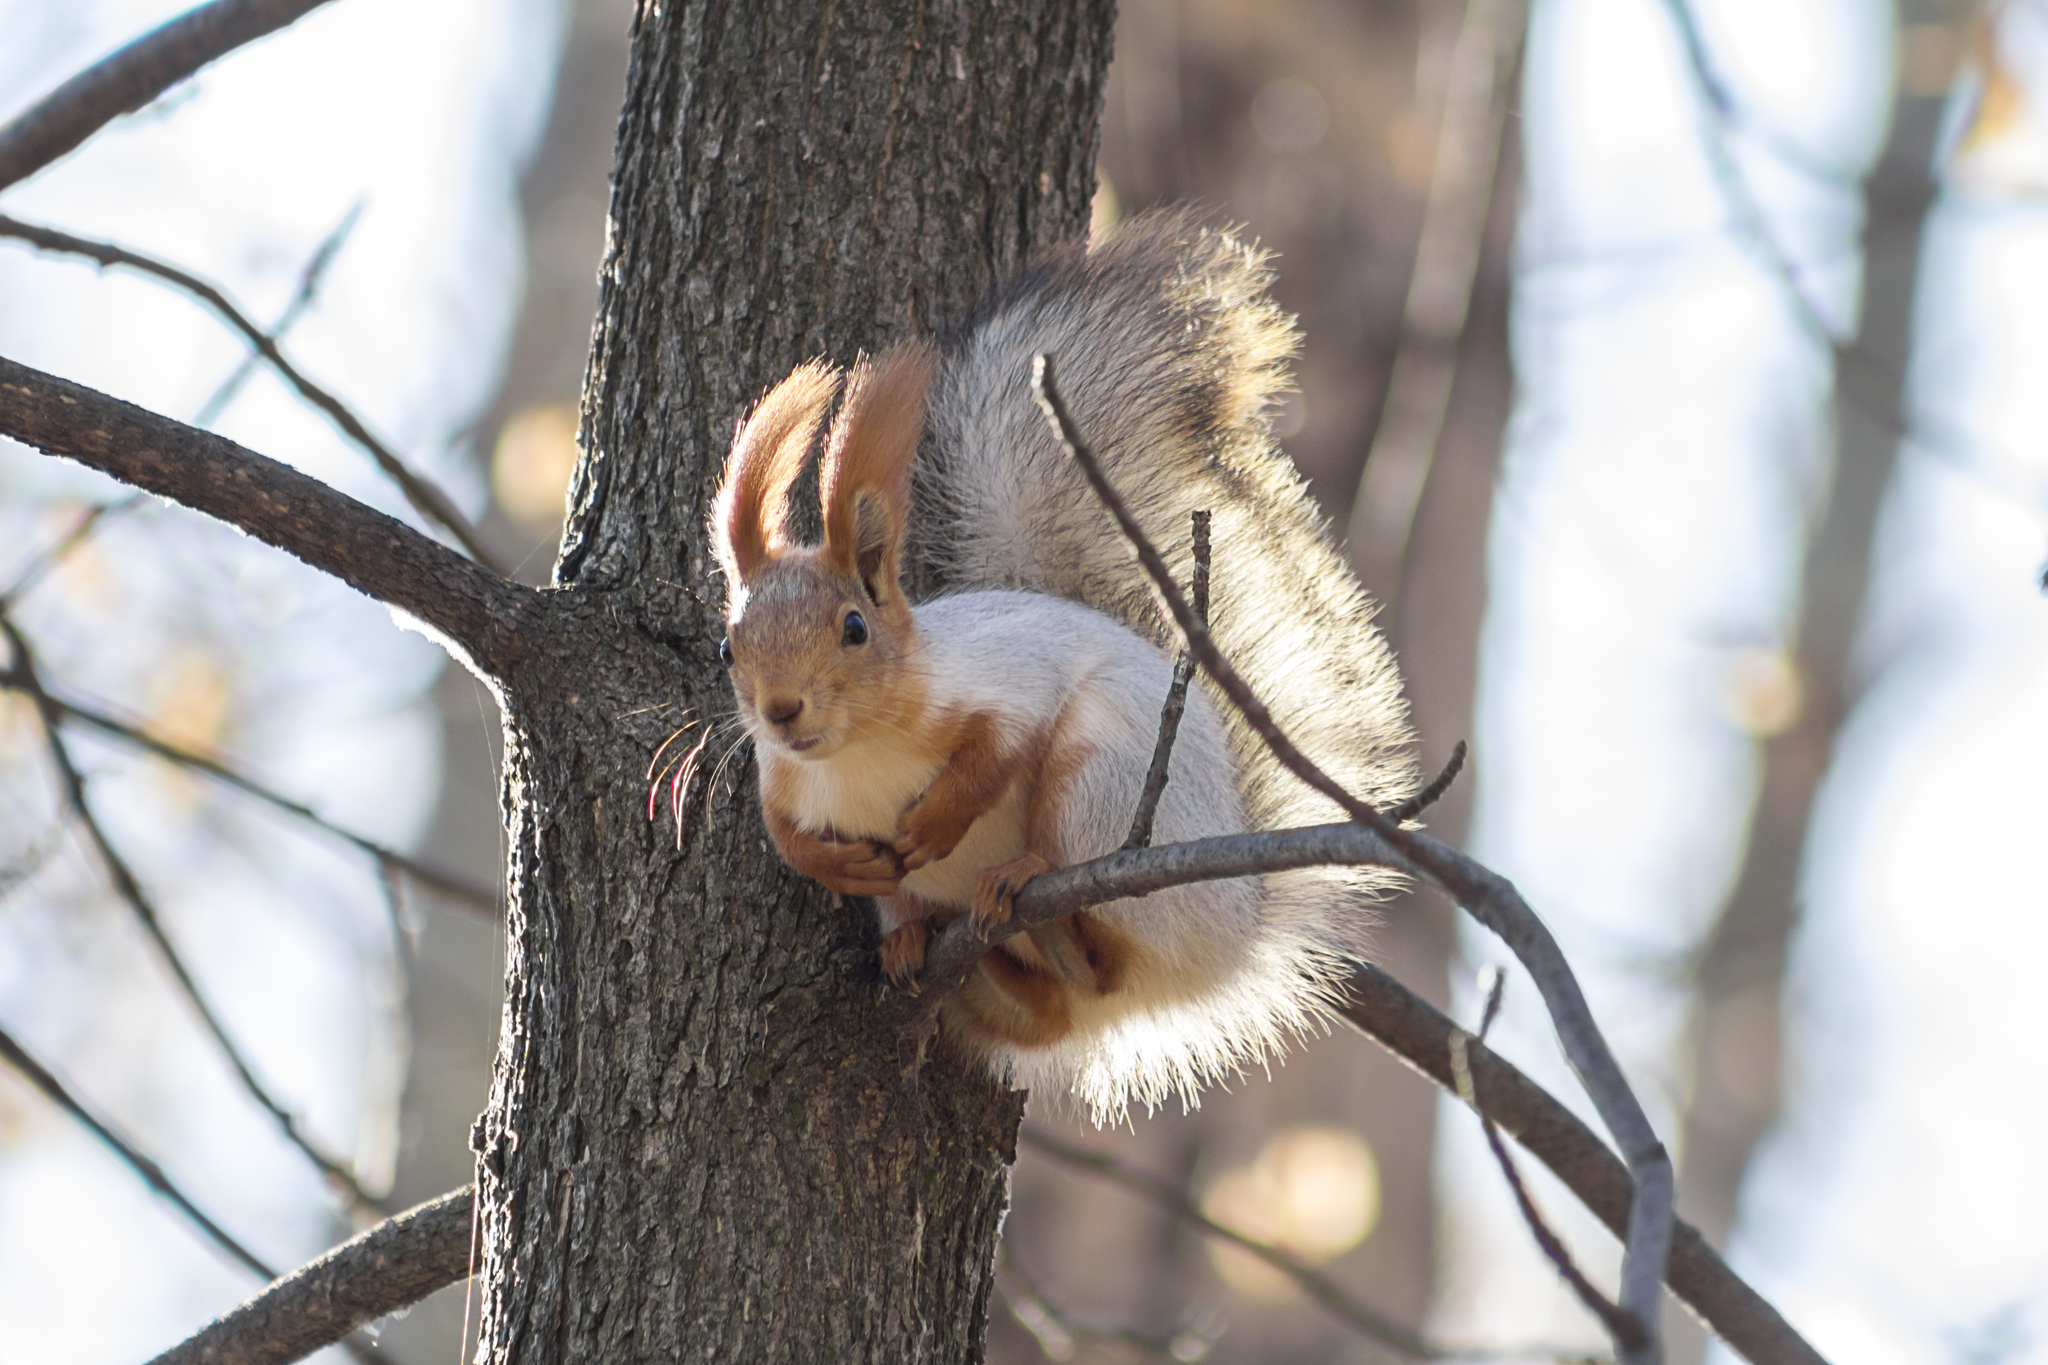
pixel 749 513
pixel 1169 355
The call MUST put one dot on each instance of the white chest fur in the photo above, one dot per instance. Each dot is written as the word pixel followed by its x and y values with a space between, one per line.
pixel 859 791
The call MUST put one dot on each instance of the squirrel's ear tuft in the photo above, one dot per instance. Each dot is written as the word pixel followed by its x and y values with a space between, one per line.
pixel 749 519
pixel 864 485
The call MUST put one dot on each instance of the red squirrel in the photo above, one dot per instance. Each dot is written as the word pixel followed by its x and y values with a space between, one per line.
pixel 938 755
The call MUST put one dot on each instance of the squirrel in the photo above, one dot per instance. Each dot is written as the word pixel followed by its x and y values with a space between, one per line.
pixel 938 755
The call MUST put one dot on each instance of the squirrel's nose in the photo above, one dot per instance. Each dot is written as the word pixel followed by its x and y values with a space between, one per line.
pixel 782 710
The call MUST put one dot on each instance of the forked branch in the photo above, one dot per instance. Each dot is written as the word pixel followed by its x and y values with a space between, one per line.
pixel 425 496
pixel 367 1270
pixel 472 608
pixel 1484 894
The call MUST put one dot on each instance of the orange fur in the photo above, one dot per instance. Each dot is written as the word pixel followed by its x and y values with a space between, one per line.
pixel 1022 992
pixel 978 771
pixel 768 452
pixel 864 482
pixel 861 867
pixel 902 949
pixel 1009 1000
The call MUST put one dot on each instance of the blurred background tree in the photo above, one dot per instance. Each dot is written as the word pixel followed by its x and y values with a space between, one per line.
pixel 1775 293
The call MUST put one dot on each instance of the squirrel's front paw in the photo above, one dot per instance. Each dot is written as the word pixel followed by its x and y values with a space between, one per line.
pixel 928 833
pixel 903 951
pixel 861 867
pixel 995 890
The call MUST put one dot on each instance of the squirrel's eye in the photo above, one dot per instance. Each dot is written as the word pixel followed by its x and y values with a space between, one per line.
pixel 725 651
pixel 856 632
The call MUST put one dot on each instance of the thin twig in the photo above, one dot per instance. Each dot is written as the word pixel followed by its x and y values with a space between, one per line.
pixel 134 75
pixel 1176 700
pixel 425 496
pixel 1463 181
pixel 152 1174
pixel 1434 792
pixel 1877 396
pixel 130 892
pixel 1056 1329
pixel 1487 896
pixel 391 1266
pixel 1621 1326
pixel 1416 1032
pixel 40 564
pixel 310 278
pixel 456 889
pixel 1175 1200
pixel 1167 1195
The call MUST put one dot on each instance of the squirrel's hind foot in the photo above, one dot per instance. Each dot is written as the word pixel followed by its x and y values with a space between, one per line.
pixel 903 951
pixel 995 890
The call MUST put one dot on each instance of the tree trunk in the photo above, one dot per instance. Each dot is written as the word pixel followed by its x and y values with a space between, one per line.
pixel 709 1134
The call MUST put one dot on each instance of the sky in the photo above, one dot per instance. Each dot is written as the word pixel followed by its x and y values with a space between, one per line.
pixel 406 122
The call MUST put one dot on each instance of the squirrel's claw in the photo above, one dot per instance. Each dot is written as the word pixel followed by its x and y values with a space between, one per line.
pixel 995 890
pixel 862 867
pixel 903 951
pixel 914 852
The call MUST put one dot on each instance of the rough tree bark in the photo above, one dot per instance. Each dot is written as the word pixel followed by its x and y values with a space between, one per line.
pixel 705 1139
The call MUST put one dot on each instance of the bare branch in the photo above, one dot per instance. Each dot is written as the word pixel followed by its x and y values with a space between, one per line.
pixel 419 1260
pixel 310 279
pixel 23 674
pixel 1176 700
pixel 477 611
pixel 393 1265
pixel 1863 378
pixel 1175 1200
pixel 426 497
pixel 41 564
pixel 1407 1026
pixel 1487 896
pixel 463 892
pixel 1463 180
pixel 1171 1197
pixel 1434 792
pixel 1056 1329
pixel 1621 1326
pixel 152 1174
pixel 133 76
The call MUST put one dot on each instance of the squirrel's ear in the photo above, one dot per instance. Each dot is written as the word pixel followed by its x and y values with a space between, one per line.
pixel 864 484
pixel 749 518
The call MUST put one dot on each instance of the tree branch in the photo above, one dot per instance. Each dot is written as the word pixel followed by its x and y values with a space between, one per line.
pixel 1485 895
pixel 1166 1194
pixel 1176 701
pixel 129 890
pixel 134 75
pixel 456 889
pixel 1407 1026
pixel 1434 792
pixel 394 1264
pixel 414 1254
pixel 1621 1326
pixel 425 496
pixel 1056 1329
pixel 476 611
pixel 152 1174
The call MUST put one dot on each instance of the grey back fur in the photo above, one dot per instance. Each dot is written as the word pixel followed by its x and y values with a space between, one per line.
pixel 1169 355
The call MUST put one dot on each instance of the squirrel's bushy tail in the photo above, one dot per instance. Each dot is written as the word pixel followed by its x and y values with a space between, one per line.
pixel 1169 355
